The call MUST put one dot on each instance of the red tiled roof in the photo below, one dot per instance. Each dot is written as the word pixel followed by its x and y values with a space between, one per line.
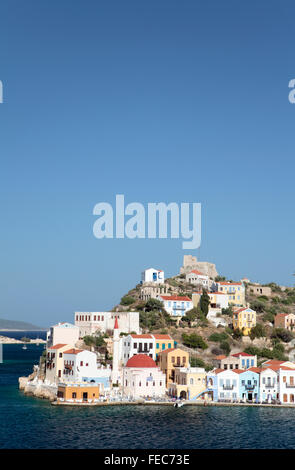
pixel 221 356
pixel 57 346
pixel 241 354
pixel 162 337
pixel 198 273
pixel 281 315
pixel 142 336
pixel 141 360
pixel 73 351
pixel 239 371
pixel 255 369
pixel 175 297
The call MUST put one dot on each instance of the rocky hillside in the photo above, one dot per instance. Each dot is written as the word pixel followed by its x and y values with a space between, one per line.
pixel 203 340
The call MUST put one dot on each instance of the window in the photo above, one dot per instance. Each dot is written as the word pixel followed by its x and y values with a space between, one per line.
pixel 157 346
pixel 81 363
pixel 135 345
pixel 74 395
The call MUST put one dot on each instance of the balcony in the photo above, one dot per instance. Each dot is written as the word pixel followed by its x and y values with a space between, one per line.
pixel 290 385
pixel 228 387
pixel 250 386
pixel 268 385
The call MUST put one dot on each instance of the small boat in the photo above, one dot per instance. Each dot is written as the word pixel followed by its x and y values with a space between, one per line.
pixel 178 404
pixel 24 347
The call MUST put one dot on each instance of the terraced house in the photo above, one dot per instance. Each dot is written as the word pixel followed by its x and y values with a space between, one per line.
pixel 227 384
pixel 249 381
pixel 176 305
pixel 234 290
pixel 244 319
pixel 148 344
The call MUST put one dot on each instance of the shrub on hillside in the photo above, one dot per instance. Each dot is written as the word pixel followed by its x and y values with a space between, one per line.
pixel 218 337
pixel 127 300
pixel 194 341
pixel 225 347
pixel 257 331
pixel 284 335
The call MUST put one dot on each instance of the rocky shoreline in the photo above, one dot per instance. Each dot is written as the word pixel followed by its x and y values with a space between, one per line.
pixel 7 340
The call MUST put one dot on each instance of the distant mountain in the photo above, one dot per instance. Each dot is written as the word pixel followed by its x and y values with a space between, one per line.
pixel 18 325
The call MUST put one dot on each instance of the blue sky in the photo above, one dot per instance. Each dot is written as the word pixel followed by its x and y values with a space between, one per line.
pixel 159 101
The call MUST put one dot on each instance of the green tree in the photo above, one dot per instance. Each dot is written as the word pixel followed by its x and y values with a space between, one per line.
pixel 224 345
pixel 204 302
pixel 154 304
pixel 194 341
pixel 257 331
pixel 127 300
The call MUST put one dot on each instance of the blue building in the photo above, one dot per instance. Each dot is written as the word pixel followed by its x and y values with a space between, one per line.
pixel 249 384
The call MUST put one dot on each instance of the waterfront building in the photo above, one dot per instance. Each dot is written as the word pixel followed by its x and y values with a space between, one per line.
pixel 269 384
pixel 227 384
pixel 152 275
pixel 197 278
pixel 142 378
pixel 81 365
pixel 77 392
pixel 234 290
pixel 212 385
pixel 244 319
pixel 55 363
pixel 286 388
pixel 62 333
pixel 189 383
pixel 90 323
pixel 285 320
pixel 176 305
pixel 249 381
pixel 171 359
pixel 239 360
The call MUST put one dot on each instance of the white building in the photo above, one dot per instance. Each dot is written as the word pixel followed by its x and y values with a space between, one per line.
pixel 62 333
pixel 175 305
pixel 142 378
pixel 197 278
pixel 90 323
pixel 268 384
pixel 80 365
pixel 152 275
pixel 228 384
pixel 286 377
pixel 137 344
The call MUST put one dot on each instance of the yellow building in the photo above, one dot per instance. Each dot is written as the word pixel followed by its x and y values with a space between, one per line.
pixel 235 292
pixel 78 393
pixel 189 383
pixel 244 319
pixel 171 359
pixel 55 362
pixel 163 342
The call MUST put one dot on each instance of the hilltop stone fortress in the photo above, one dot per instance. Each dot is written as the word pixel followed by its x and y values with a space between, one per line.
pixel 190 263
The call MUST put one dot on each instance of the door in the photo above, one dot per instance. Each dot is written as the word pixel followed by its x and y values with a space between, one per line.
pixel 85 396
